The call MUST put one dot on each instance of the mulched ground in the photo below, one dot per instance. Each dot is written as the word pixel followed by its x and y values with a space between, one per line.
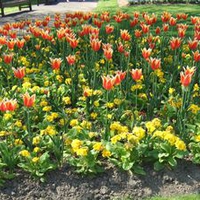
pixel 111 184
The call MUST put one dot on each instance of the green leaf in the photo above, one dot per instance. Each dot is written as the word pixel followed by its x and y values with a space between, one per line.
pixel 158 166
pixel 127 165
pixel 139 170
pixel 165 147
pixel 172 161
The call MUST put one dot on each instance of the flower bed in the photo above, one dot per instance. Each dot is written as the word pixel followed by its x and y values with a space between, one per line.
pixel 95 89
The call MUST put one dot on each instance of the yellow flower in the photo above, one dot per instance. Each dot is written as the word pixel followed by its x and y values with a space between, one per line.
pixel 36 140
pixel 142 96
pixel 110 105
pixel 26 85
pixel 7 116
pixel 170 138
pixel 24 153
pixel 150 127
pixel 115 139
pixel 102 61
pixel 68 81
pixel 3 133
pixel 197 138
pixel 106 153
pixel 18 123
pixel 196 88
pixel 96 103
pixel 136 87
pixel 74 122
pixel 67 100
pixel 117 101
pixel 139 132
pixel 47 108
pixel 59 78
pixel 86 124
pixel 109 116
pixel 92 134
pixel 93 115
pixel 50 130
pixel 156 122
pixel 159 134
pixel 46 83
pixel 35 159
pixel 171 91
pixel 62 122
pixel 43 103
pixel 82 151
pixel 115 126
pixel 36 149
pixel 18 142
pixel 194 108
pixel 76 144
pixel 97 146
pixel 180 145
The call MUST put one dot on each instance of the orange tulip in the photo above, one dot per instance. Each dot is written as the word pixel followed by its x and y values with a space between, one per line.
pixel 145 28
pixel 185 79
pixel 120 48
pixel 175 43
pixel 181 33
pixel 186 76
pixel 118 18
pixel 138 33
pixel 165 17
pixel 3 106
pixel 73 42
pixel 71 59
pixel 193 44
pixel 108 82
pixel 172 21
pixel 136 74
pixel 95 44
pixel 119 77
pixel 108 53
pixel 11 105
pixel 154 63
pixel 125 35
pixel 7 58
pixel 19 72
pixel 55 63
pixel 109 29
pixel 13 34
pixel 165 27
pixel 196 56
pixel 157 31
pixel 20 43
pixel 136 14
pixel 3 40
pixel 194 20
pixel 11 44
pixel 134 22
pixel 146 53
pixel 28 100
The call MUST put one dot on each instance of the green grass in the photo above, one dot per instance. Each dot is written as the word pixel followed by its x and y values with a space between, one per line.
pixel 183 197
pixel 191 9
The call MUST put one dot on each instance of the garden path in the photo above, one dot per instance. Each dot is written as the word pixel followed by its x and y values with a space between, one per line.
pixel 39 12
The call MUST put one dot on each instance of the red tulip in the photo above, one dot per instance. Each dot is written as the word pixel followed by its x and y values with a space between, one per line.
pixel 108 53
pixel 7 58
pixel 196 55
pixel 109 29
pixel 19 72
pixel 108 82
pixel 125 35
pixel 119 77
pixel 175 43
pixel 28 100
pixel 154 63
pixel 136 74
pixel 71 59
pixel 146 53
pixel 193 44
pixel 95 44
pixel 55 63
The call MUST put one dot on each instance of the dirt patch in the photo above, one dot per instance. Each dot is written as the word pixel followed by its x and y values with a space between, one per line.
pixel 111 184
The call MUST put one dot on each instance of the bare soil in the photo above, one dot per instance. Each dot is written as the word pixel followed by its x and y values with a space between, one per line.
pixel 111 184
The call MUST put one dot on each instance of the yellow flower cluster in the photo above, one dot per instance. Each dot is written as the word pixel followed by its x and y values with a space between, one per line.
pixel 169 136
pixel 153 125
pixel 78 148
pixel 50 130
pixel 117 127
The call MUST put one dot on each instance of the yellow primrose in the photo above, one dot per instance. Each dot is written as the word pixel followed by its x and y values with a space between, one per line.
pixel 97 146
pixel 106 153
pixel 24 153
pixel 74 122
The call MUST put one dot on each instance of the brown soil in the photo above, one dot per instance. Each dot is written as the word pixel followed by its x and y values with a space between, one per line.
pixel 111 184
